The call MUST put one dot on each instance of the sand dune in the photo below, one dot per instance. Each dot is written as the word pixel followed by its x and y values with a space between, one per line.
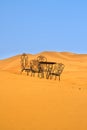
pixel 72 61
pixel 30 103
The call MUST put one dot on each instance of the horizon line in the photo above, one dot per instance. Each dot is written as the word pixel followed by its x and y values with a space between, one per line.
pixel 9 56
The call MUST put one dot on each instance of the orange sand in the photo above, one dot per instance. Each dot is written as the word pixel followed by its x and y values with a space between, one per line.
pixel 30 103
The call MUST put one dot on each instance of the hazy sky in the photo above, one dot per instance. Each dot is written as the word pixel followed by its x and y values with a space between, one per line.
pixel 33 26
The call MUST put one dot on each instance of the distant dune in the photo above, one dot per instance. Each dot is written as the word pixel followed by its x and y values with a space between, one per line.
pixel 30 103
pixel 71 60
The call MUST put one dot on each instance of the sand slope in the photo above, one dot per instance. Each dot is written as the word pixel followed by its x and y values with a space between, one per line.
pixel 30 103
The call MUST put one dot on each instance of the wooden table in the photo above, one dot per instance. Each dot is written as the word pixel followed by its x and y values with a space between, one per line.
pixel 47 62
pixel 49 66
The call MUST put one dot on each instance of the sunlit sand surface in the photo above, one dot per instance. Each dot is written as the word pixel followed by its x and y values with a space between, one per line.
pixel 30 103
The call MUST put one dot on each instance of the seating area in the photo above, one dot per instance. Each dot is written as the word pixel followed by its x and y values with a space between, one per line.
pixel 41 67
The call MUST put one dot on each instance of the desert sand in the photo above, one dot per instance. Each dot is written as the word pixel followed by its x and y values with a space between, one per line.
pixel 30 103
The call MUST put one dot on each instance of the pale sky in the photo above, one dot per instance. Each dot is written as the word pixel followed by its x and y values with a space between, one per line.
pixel 33 26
